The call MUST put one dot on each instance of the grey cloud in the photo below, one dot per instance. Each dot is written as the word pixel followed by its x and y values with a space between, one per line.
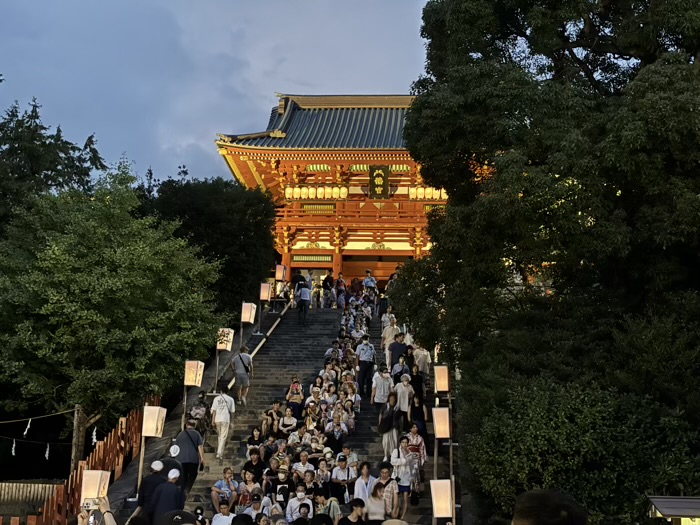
pixel 158 79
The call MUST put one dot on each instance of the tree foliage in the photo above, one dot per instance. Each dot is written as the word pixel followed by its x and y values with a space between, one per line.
pixel 598 445
pixel 34 160
pixel 231 225
pixel 566 135
pixel 98 307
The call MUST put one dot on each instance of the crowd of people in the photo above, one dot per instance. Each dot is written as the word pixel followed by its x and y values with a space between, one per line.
pixel 300 466
pixel 300 461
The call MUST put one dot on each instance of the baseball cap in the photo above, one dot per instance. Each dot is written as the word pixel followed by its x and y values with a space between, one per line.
pixel 157 466
pixel 257 498
pixel 342 457
pixel 178 517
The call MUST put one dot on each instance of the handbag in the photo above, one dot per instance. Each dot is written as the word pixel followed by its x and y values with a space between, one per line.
pixel 386 424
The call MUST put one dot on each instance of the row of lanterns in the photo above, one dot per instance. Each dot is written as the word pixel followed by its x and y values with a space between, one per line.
pixel 95 483
pixel 341 192
pixel 422 193
pixel 316 192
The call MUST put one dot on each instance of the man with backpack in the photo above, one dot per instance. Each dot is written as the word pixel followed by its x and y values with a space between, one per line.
pixel 326 505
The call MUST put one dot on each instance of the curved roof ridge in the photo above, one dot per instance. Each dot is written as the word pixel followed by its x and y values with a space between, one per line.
pixel 350 101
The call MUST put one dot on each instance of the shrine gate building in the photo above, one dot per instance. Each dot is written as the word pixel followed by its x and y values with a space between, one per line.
pixel 349 196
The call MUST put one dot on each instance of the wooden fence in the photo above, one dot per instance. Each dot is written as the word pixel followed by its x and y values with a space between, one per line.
pixel 25 492
pixel 109 454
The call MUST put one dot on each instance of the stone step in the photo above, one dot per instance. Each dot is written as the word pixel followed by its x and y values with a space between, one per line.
pixel 289 351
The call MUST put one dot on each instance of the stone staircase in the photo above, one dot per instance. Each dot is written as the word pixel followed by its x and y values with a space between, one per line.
pixel 290 350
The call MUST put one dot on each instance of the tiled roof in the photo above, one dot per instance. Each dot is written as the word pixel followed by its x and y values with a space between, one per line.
pixel 676 506
pixel 332 122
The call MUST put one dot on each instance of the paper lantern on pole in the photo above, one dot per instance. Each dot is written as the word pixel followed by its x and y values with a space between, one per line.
pixel 94 486
pixel 153 421
pixel 248 312
pixel 441 493
pixel 442 378
pixel 265 291
pixel 441 423
pixel 280 272
pixel 194 371
pixel 224 339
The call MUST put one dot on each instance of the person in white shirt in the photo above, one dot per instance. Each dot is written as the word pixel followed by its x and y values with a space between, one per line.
pixel 256 507
pixel 222 409
pixel 294 503
pixel 315 393
pixel 365 483
pixel 224 517
pixel 386 317
pixel 405 466
pixel 303 296
pixel 342 478
pixel 300 467
pixel 422 358
pixel 382 386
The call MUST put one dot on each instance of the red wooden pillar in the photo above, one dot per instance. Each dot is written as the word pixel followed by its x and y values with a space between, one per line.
pixel 337 262
pixel 287 261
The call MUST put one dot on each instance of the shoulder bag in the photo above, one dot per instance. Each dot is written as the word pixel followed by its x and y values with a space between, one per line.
pixel 245 367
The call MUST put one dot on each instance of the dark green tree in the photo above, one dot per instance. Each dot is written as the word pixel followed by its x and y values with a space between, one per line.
pixel 604 449
pixel 98 307
pixel 575 255
pixel 33 159
pixel 231 225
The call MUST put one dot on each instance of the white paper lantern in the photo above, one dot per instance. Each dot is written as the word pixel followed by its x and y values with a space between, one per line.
pixel 153 421
pixel 194 371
